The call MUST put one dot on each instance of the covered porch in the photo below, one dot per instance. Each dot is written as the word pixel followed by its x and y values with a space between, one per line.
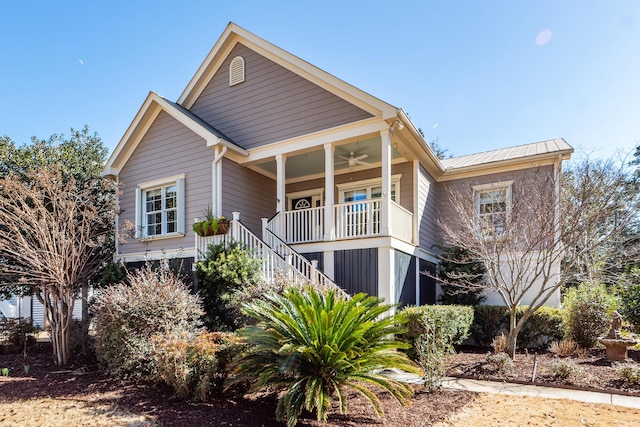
pixel 349 189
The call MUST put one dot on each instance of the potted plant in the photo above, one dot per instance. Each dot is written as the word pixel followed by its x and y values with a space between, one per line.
pixel 211 225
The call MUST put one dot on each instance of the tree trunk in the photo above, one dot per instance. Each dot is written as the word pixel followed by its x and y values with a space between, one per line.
pixel 513 334
pixel 59 315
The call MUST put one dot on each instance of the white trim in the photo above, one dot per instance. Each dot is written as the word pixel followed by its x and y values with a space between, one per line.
pixel 368 183
pixel 140 208
pixel 492 186
pixel 157 255
pixel 313 193
pixel 158 182
pixel 233 34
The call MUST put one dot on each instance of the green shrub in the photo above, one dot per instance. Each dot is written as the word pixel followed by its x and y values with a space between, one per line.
pixel 629 374
pixel 449 325
pixel 488 322
pixel 195 367
pixel 310 346
pixel 17 332
pixel 226 269
pixel 498 362
pixel 542 328
pixel 630 304
pixel 587 309
pixel 456 269
pixel 432 330
pixel 565 369
pixel 129 316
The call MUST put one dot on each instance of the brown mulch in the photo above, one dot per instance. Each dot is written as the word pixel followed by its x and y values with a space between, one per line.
pixel 47 395
pixel 595 372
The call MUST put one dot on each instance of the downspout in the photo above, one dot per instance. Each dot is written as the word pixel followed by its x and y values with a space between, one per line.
pixel 216 174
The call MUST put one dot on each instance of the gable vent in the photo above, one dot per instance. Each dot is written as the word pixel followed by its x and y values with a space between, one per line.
pixel 236 71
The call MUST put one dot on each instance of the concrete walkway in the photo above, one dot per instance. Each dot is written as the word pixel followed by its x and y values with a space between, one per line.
pixel 523 390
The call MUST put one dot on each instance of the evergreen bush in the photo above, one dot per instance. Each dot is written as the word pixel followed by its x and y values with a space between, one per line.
pixel 587 309
pixel 630 305
pixel 226 270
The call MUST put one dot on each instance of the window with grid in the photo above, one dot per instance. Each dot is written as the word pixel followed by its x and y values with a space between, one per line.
pixel 492 208
pixel 160 208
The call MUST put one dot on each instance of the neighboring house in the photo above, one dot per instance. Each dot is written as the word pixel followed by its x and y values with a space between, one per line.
pixel 313 166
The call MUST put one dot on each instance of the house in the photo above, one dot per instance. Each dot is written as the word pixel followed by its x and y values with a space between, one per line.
pixel 320 177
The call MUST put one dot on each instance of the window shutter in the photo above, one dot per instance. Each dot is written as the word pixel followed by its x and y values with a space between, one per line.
pixel 236 71
pixel 181 205
pixel 139 210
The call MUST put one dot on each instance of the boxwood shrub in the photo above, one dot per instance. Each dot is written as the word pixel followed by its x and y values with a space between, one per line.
pixel 449 324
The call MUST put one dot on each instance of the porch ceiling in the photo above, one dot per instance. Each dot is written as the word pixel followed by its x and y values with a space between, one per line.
pixel 312 162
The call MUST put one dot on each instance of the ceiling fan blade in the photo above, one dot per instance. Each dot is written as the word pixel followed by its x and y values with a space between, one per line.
pixel 360 157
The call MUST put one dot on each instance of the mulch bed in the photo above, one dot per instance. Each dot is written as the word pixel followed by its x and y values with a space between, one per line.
pixel 44 379
pixel 596 373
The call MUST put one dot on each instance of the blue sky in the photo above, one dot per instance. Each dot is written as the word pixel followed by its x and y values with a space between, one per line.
pixel 475 75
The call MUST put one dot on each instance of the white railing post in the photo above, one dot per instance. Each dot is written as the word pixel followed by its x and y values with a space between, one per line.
pixel 314 270
pixel 234 225
pixel 265 223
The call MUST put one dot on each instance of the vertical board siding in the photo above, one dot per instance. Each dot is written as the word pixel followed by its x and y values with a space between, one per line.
pixel 427 211
pixel 247 192
pixel 273 104
pixel 405 278
pixel 315 256
pixel 167 149
pixel 427 283
pixel 356 270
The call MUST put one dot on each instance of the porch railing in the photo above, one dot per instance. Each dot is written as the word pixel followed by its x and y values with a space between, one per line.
pixel 278 260
pixel 299 226
pixel 352 220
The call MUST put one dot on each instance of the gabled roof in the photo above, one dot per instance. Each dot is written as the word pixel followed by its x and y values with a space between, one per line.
pixel 150 109
pixel 234 34
pixel 506 156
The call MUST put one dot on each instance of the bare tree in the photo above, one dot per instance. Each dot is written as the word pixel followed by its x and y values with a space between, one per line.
pixel 54 236
pixel 522 232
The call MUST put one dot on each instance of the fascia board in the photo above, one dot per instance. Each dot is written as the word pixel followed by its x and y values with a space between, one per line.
pixel 234 34
pixel 503 166
pixel 148 112
pixel 313 140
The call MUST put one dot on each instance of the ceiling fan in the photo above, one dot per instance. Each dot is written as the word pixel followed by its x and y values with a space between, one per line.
pixel 354 160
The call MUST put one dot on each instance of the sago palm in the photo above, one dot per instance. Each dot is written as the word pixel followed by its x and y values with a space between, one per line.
pixel 312 346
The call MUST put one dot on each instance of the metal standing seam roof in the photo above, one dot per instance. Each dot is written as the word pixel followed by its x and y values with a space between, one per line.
pixel 510 153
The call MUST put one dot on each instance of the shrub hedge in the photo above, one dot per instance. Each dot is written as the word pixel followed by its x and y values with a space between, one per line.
pixel 542 328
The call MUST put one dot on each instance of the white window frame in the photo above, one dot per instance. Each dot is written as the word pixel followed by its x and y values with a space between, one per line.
pixel 505 186
pixel 316 194
pixel 367 185
pixel 141 213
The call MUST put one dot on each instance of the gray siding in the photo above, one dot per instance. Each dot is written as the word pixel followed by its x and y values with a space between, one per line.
pixel 167 149
pixel 247 192
pixel 522 180
pixel 464 186
pixel 405 278
pixel 427 212
pixel 272 104
pixel 356 270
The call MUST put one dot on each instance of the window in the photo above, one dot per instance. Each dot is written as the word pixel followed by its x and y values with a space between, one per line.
pixel 160 208
pixel 236 71
pixel 493 204
pixel 366 190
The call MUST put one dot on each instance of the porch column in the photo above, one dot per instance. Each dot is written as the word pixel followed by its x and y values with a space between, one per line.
pixel 329 226
pixel 280 178
pixel 385 201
